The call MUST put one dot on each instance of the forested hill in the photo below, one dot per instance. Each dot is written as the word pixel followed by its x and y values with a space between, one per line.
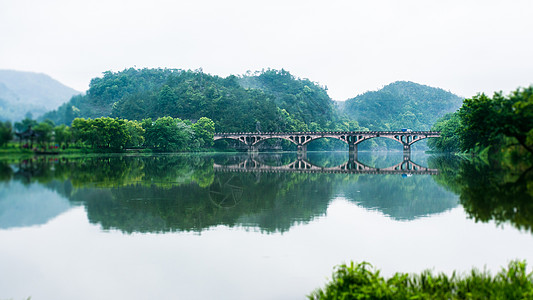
pixel 270 101
pixel 401 104
pixel 23 92
pixel 305 100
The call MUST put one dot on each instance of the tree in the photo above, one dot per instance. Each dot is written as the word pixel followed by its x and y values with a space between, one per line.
pixel 62 135
pixel 6 133
pixel 167 134
pixel 165 100
pixel 136 132
pixel 204 131
pixel 44 131
pixel 480 122
pixel 107 133
pixel 449 127
pixel 487 120
pixel 25 124
pixel 82 131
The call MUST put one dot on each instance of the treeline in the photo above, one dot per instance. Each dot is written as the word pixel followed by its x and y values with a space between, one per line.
pixel 488 123
pixel 165 134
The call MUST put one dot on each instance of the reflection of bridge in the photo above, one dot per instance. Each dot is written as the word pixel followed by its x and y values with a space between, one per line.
pixel 352 166
pixel 352 138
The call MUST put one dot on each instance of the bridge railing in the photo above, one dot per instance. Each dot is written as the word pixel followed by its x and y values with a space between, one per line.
pixel 328 132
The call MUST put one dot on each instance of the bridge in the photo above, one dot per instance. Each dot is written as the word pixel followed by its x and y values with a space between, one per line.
pixel 352 138
pixel 302 165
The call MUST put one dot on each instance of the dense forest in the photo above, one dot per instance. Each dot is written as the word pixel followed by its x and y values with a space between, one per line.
pixel 401 105
pixel 268 101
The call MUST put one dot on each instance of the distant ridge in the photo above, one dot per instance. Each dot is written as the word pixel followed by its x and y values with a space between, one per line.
pixel 401 104
pixel 23 92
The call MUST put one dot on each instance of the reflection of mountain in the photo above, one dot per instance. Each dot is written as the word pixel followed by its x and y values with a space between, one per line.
pixel 165 193
pixel 34 204
pixel 402 198
pixel 232 200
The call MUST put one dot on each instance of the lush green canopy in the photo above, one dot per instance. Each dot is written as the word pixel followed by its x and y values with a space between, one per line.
pixel 483 122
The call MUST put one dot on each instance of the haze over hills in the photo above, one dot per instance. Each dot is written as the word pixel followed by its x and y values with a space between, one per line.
pixel 401 104
pixel 23 92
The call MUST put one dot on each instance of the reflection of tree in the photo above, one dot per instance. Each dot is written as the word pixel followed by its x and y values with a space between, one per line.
pixel 164 193
pixel 225 194
pixel 491 192
pixel 113 171
pixel 274 203
pixel 5 171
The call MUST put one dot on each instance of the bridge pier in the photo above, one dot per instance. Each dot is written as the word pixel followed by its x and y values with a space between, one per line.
pixel 406 150
pixel 301 155
pixel 352 148
pixel 302 148
pixel 253 148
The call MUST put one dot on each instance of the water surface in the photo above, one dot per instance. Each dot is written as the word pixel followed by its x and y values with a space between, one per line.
pixel 231 226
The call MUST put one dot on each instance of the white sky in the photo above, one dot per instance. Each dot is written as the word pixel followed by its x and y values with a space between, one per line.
pixel 349 46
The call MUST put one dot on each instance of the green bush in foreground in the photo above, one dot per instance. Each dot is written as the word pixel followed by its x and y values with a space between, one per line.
pixel 361 281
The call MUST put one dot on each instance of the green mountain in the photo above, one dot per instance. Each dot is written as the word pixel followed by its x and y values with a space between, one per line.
pixel 305 100
pixel 401 104
pixel 23 92
pixel 268 101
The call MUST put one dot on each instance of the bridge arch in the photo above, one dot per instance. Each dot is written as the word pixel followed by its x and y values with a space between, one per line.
pixel 352 138
pixel 261 140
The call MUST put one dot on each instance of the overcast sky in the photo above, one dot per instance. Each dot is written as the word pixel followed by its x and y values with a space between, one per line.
pixel 349 46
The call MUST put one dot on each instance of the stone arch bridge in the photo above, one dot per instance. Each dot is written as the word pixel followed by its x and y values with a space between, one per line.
pixel 352 166
pixel 352 138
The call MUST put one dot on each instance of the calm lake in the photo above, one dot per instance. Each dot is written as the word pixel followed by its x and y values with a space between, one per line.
pixel 234 226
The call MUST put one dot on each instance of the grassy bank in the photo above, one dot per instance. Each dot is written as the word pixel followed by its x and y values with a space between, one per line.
pixel 362 281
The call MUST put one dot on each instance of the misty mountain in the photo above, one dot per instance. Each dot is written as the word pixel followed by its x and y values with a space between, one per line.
pixel 23 92
pixel 401 104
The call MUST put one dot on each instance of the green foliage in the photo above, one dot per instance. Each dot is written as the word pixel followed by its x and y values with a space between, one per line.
pixel 44 131
pixel 304 100
pixel 25 124
pixel 486 121
pixel 482 122
pixel 104 133
pixel 136 134
pixel 204 131
pixel 6 133
pixel 361 281
pixel 167 134
pixel 62 135
pixel 449 127
pixel 401 105
pixel 282 103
